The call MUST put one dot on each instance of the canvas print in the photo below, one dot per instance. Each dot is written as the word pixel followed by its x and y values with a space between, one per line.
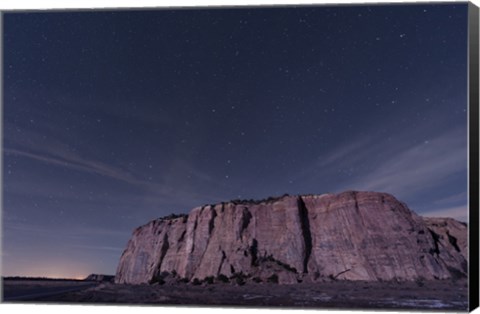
pixel 286 157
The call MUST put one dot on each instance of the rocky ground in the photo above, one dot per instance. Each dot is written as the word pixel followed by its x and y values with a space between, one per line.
pixel 439 295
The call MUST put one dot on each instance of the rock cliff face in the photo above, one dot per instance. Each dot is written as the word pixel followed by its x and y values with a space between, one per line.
pixel 351 236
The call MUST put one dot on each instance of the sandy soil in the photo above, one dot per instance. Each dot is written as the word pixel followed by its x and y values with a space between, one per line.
pixel 440 295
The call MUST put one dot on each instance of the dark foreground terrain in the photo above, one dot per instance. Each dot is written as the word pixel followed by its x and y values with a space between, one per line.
pixel 434 295
pixel 34 289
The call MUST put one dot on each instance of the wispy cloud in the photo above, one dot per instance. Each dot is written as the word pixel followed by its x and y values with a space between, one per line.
pixel 451 199
pixel 458 212
pixel 396 165
pixel 76 232
pixel 76 162
pixel 99 248
pixel 351 152
pixel 27 228
pixel 51 150
pixel 179 184
pixel 422 166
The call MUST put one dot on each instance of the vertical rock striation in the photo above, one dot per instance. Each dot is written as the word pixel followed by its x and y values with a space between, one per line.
pixel 351 236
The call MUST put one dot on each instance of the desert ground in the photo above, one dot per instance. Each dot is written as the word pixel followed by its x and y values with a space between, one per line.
pixel 430 295
pixel 19 290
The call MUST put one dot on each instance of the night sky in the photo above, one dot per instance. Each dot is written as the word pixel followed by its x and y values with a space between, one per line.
pixel 114 118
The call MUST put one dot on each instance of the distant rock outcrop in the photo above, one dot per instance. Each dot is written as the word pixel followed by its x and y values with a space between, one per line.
pixel 101 278
pixel 350 236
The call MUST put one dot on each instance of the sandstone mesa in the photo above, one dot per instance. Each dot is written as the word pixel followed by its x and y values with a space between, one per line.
pixel 348 236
